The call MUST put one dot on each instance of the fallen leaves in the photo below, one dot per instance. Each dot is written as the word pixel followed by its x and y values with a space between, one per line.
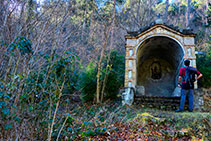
pixel 125 123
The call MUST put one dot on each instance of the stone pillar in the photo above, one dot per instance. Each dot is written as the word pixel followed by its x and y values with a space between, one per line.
pixel 130 63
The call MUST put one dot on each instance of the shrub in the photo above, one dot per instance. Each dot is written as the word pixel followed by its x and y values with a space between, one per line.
pixel 204 66
pixel 115 78
pixel 88 83
pixel 31 88
pixel 116 75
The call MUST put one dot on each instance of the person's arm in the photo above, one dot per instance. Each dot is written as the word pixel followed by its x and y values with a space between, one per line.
pixel 198 77
pixel 179 81
pixel 180 77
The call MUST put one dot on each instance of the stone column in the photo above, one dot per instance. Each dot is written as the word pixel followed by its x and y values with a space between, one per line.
pixel 130 63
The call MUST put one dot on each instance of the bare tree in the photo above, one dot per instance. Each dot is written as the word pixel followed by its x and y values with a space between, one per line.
pixel 188 13
pixel 110 49
pixel 99 71
pixel 166 11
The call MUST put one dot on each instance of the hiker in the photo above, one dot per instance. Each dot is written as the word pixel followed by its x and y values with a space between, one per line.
pixel 187 75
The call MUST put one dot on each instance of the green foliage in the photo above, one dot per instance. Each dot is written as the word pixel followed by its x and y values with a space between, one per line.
pixel 115 75
pixel 160 7
pixel 36 91
pixel 69 66
pixel 115 78
pixel 23 44
pixel 88 83
pixel 7 111
pixel 204 66
pixel 173 9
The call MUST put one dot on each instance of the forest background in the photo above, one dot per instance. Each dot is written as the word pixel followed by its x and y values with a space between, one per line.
pixel 56 52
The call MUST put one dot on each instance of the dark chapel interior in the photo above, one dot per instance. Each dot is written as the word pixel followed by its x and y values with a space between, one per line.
pixel 158 62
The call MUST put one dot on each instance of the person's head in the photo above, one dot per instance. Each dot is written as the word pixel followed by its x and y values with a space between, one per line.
pixel 187 62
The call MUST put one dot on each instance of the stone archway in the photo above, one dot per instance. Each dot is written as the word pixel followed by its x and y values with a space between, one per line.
pixel 154 56
pixel 158 61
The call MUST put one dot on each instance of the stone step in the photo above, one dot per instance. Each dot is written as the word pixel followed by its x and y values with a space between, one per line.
pixel 172 102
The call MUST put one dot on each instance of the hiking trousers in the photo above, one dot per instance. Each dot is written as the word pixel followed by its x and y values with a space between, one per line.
pixel 183 97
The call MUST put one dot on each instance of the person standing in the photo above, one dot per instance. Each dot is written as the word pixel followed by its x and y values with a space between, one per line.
pixel 187 75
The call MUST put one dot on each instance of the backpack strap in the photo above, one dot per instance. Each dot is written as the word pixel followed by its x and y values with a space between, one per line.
pixel 186 74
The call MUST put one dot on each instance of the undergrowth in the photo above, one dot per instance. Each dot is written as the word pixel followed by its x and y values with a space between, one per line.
pixel 113 121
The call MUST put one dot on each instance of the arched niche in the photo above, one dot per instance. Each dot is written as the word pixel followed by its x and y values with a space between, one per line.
pixel 158 60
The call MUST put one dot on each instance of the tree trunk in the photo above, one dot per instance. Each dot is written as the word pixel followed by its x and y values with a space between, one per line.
pixel 110 49
pixel 180 3
pixel 137 16
pixel 166 11
pixel 99 65
pixel 29 17
pixel 84 24
pixel 206 21
pixel 21 14
pixel 83 27
pixel 207 9
pixel 188 13
pixel 1 11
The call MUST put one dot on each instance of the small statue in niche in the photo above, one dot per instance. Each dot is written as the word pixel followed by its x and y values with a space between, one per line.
pixel 155 70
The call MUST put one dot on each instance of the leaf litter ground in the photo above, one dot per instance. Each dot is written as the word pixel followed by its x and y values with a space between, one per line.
pixel 117 122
